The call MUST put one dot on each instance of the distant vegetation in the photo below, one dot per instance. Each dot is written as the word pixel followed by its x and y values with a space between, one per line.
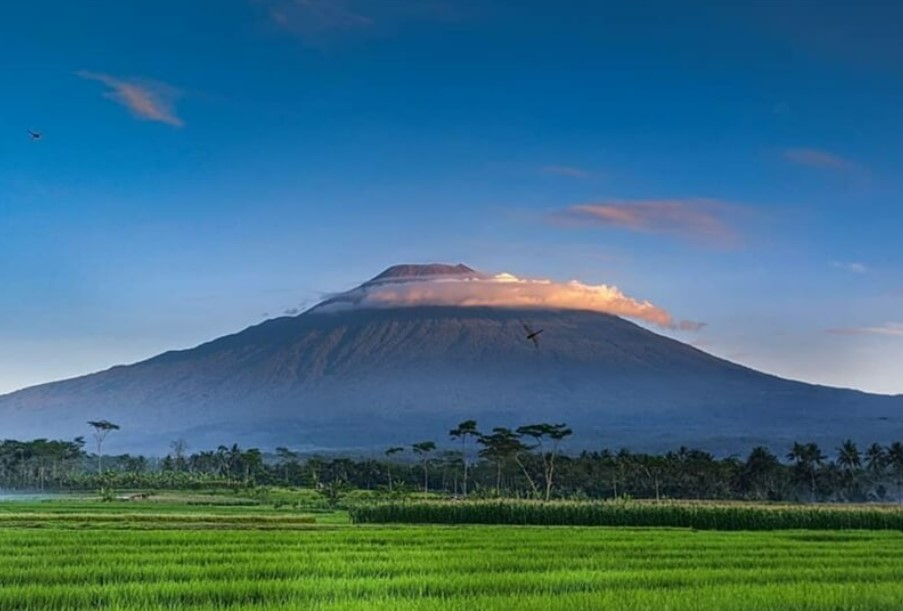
pixel 526 462
pixel 632 514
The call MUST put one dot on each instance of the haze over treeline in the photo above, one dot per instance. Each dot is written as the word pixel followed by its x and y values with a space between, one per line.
pixel 530 461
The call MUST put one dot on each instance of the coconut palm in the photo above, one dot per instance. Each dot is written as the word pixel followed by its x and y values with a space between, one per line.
pixel 807 457
pixel 895 462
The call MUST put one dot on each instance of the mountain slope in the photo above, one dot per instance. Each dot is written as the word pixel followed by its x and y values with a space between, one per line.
pixel 369 377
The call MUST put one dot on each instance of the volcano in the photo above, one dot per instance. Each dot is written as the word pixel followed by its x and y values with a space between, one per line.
pixel 344 375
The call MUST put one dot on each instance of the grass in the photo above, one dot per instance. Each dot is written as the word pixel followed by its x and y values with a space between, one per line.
pixel 66 555
pixel 703 516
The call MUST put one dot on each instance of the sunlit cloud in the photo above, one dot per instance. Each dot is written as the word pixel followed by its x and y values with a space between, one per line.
pixel 695 219
pixel 822 160
pixel 504 290
pixel 894 329
pixel 146 99
pixel 852 266
pixel 562 170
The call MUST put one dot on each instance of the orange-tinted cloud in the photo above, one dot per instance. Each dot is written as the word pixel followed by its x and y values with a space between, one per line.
pixel 697 219
pixel 822 160
pixel 150 100
pixel 506 290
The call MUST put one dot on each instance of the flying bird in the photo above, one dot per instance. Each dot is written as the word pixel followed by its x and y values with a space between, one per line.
pixel 34 135
pixel 531 334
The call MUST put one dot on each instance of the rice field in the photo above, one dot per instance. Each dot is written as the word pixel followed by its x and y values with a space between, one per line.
pixel 79 561
pixel 702 516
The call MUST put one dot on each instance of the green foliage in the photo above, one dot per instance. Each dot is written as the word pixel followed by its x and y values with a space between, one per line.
pixel 507 467
pixel 242 562
pixel 623 513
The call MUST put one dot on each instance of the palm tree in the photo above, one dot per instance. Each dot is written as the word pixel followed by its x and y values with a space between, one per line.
pixel 466 429
pixel 849 459
pixel 875 459
pixel 759 471
pixel 895 462
pixel 848 456
pixel 807 458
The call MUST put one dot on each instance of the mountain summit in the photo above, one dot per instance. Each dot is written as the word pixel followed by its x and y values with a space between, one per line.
pixel 420 271
pixel 348 376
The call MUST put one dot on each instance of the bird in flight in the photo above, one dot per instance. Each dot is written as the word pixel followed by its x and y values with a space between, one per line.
pixel 531 334
pixel 34 135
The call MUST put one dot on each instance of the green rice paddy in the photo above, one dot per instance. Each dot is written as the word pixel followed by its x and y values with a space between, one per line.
pixel 68 556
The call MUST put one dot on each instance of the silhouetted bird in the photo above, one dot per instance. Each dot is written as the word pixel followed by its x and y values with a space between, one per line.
pixel 532 335
pixel 34 135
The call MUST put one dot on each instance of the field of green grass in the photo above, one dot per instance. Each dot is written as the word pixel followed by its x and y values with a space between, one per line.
pixel 81 554
pixel 680 514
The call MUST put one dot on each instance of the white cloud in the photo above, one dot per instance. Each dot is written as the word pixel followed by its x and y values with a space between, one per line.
pixel 894 329
pixel 505 290
pixel 854 267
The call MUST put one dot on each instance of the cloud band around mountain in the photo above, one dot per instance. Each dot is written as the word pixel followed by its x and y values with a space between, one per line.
pixel 505 290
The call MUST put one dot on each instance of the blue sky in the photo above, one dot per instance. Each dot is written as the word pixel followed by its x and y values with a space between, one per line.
pixel 206 163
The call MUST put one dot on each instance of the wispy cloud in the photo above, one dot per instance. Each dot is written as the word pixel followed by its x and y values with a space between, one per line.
pixel 690 325
pixel 312 16
pixel 892 329
pixel 696 219
pixel 563 170
pixel 504 290
pixel 147 99
pixel 851 266
pixel 322 21
pixel 822 160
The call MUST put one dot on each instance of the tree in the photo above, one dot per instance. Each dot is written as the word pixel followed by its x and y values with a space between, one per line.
pixel 287 458
pixel 875 459
pixel 179 448
pixel 252 461
pixel 848 456
pixel 807 458
pixel 895 462
pixel 422 449
pixel 759 472
pixel 389 454
pixel 555 432
pixel 501 447
pixel 849 459
pixel 466 429
pixel 102 428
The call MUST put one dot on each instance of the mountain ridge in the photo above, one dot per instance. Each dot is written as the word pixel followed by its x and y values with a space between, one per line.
pixel 361 377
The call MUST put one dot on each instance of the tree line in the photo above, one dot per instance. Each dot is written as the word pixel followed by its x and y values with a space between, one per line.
pixel 524 462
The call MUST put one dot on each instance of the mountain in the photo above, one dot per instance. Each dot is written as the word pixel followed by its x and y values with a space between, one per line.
pixel 340 376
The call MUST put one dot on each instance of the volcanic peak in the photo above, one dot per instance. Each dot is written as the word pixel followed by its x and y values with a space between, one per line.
pixel 407 271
